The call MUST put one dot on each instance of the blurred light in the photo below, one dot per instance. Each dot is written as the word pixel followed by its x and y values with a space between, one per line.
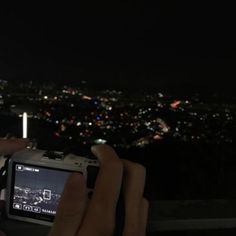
pixel 57 134
pixel 100 141
pixel 157 137
pixel 86 97
pixel 63 127
pixel 175 104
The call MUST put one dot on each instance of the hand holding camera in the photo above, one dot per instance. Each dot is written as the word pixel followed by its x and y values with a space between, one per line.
pixel 97 216
pixel 76 213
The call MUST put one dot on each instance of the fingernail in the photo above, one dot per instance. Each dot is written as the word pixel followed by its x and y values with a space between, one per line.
pixel 94 148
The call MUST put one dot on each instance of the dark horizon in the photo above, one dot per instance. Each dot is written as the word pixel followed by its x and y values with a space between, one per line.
pixel 184 47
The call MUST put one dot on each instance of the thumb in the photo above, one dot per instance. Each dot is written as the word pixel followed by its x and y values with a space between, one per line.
pixel 71 208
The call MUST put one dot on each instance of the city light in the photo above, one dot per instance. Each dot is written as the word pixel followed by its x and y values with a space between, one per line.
pixel 123 120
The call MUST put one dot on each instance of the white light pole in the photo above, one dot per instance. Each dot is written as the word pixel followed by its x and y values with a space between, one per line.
pixel 25 117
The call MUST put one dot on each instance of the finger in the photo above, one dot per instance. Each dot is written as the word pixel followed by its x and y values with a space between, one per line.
pixel 133 188
pixel 143 217
pixel 2 234
pixel 102 208
pixel 2 204
pixel 71 208
pixel 9 146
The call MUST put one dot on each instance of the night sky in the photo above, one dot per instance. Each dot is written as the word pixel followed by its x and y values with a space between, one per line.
pixel 170 45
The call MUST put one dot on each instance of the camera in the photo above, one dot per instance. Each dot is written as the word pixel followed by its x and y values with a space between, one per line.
pixel 36 180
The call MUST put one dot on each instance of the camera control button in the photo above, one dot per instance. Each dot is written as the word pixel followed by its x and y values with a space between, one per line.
pixel 54 155
pixel 17 206
pixel 36 209
pixel 27 208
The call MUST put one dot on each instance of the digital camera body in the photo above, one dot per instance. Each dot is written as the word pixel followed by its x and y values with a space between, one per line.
pixel 36 179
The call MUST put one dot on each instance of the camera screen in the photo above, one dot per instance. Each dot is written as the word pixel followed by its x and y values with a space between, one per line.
pixel 36 191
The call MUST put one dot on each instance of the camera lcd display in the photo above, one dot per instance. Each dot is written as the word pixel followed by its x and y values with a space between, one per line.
pixel 36 191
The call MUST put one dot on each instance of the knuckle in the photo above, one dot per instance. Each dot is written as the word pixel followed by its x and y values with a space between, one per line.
pixel 132 230
pixel 139 170
pixel 68 215
pixel 115 164
pixel 107 149
pixel 145 202
pixel 99 228
pixel 108 229
pixel 105 229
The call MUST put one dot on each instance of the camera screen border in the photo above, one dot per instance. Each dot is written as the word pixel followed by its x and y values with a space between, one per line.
pixel 40 218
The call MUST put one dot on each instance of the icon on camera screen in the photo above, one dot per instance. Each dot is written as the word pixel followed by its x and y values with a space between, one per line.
pixel 19 167
pixel 47 194
pixel 36 209
pixel 27 208
pixel 17 206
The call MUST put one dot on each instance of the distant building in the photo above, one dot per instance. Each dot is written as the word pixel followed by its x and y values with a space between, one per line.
pixel 3 84
pixel 1 100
